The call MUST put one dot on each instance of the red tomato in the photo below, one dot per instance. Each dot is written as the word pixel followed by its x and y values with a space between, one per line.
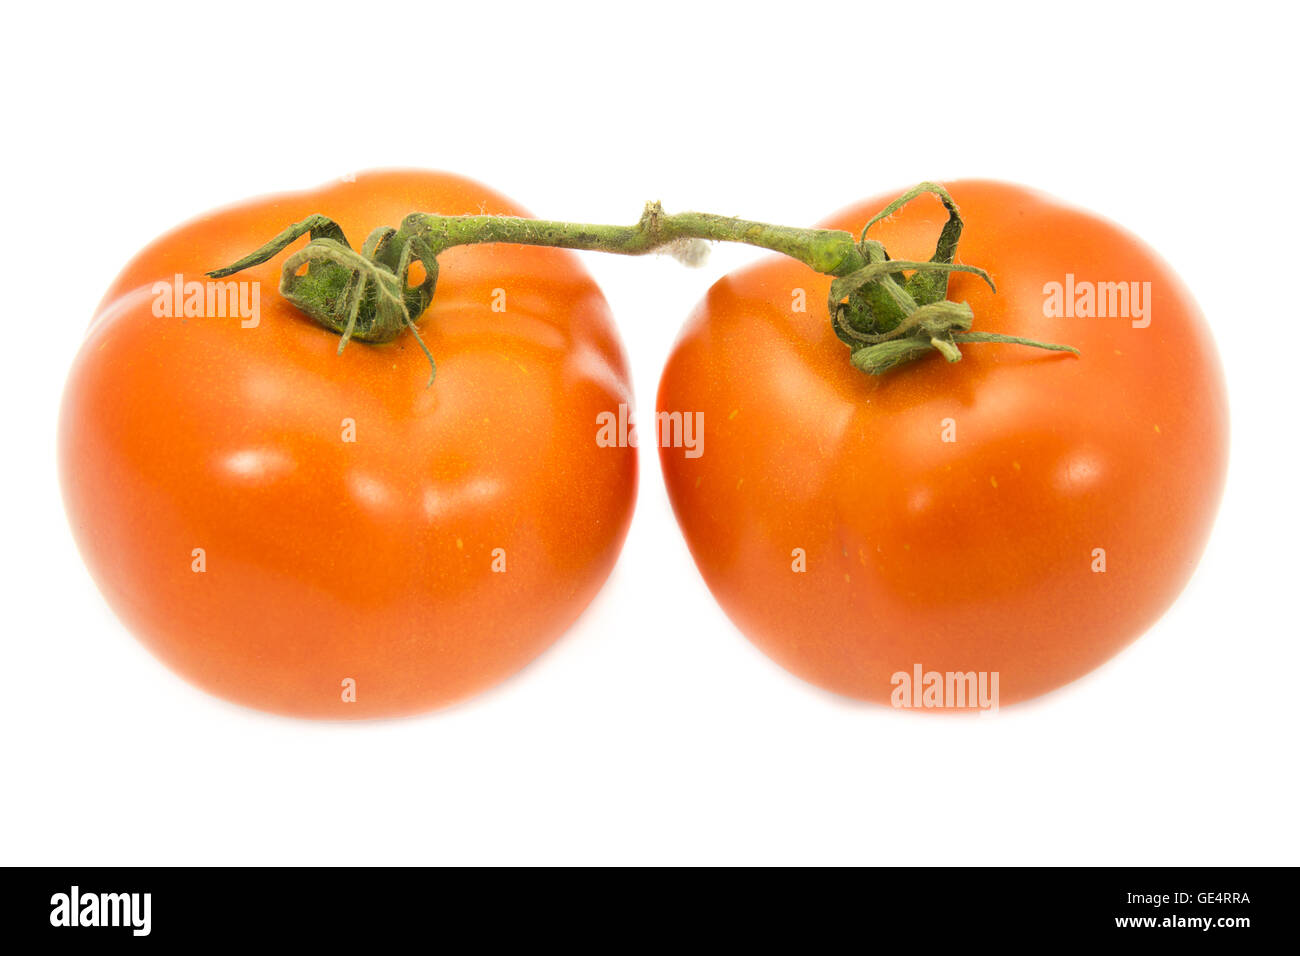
pixel 288 527
pixel 1019 512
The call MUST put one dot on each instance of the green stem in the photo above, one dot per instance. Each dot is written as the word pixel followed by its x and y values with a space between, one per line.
pixel 883 316
pixel 829 251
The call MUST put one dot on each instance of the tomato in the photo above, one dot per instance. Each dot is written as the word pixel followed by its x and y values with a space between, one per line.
pixel 321 534
pixel 1018 513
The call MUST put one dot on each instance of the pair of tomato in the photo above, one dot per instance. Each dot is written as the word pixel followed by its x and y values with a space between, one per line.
pixel 319 534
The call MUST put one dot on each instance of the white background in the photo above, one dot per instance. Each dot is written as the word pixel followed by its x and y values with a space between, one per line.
pixel 654 732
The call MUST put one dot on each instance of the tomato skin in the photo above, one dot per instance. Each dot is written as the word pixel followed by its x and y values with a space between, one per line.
pixel 968 555
pixel 329 559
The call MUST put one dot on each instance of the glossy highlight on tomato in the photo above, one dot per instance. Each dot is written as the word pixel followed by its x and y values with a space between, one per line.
pixel 1018 512
pixel 321 534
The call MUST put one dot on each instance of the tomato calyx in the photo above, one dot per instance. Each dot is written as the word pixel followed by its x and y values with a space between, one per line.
pixel 888 318
pixel 363 294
